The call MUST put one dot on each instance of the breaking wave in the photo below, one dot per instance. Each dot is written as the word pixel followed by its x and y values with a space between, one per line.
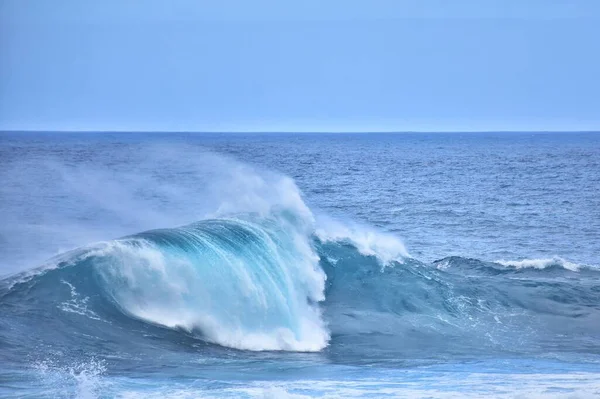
pixel 541 263
pixel 246 280
pixel 242 283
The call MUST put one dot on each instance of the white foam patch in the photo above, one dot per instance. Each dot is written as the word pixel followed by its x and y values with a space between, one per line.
pixel 443 265
pixel 81 380
pixel 368 241
pixel 541 263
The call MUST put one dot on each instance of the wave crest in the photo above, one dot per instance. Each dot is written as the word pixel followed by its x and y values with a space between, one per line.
pixel 245 276
pixel 541 263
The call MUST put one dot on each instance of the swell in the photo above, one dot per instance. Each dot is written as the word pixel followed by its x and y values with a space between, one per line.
pixel 256 283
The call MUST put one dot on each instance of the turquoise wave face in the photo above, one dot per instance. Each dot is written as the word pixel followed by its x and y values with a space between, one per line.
pixel 243 283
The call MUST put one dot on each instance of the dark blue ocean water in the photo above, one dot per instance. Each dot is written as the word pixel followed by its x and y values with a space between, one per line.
pixel 299 265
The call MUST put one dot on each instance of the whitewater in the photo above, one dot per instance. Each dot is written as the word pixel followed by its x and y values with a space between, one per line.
pixel 229 266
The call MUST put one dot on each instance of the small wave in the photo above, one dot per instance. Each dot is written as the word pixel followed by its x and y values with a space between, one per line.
pixel 369 242
pixel 541 263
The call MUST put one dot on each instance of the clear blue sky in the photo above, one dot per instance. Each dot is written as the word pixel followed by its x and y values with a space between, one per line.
pixel 309 65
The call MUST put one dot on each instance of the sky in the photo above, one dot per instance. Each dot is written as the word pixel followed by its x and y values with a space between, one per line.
pixel 371 65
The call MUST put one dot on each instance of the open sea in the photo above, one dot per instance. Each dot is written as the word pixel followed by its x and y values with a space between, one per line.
pixel 179 265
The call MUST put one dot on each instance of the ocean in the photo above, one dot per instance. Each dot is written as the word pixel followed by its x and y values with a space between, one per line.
pixel 272 265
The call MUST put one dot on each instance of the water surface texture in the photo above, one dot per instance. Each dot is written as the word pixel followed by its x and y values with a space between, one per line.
pixel 299 265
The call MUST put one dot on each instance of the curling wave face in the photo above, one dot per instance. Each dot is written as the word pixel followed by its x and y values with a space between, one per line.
pixel 239 282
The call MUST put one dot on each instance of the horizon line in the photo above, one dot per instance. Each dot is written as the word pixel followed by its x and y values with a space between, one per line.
pixel 295 131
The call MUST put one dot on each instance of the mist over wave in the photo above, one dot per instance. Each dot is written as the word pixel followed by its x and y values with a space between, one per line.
pixel 247 276
pixel 72 204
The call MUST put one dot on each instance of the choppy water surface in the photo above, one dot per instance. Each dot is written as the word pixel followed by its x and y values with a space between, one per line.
pixel 288 265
